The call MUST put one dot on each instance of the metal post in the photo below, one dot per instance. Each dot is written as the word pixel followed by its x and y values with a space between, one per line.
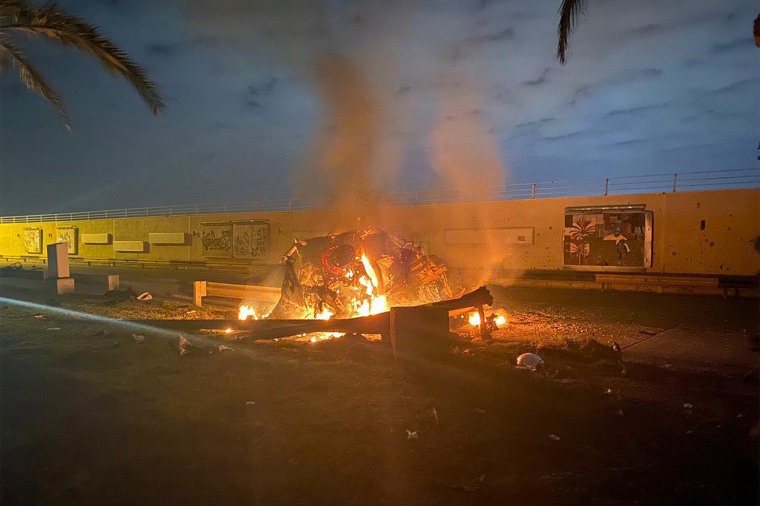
pixel 484 334
pixel 533 191
pixel 606 185
pixel 675 181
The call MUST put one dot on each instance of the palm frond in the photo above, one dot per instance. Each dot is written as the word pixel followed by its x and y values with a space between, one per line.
pixel 582 228
pixel 569 13
pixel 67 29
pixel 32 79
pixel 10 7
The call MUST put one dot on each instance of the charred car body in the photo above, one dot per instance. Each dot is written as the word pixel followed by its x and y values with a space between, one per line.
pixel 358 273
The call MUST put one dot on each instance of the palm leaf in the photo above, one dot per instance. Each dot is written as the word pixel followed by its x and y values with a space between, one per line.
pixel 570 11
pixel 581 229
pixel 55 24
pixel 32 79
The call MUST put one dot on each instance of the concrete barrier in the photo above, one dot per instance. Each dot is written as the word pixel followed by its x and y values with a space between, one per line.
pixel 244 293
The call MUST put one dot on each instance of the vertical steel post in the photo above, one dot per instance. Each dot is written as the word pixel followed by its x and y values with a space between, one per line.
pixel 606 185
pixel 484 334
pixel 675 181
pixel 533 191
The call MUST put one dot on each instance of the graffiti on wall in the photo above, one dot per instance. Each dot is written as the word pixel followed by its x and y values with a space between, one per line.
pixel 607 239
pixel 216 239
pixel 250 239
pixel 33 240
pixel 69 236
pixel 246 239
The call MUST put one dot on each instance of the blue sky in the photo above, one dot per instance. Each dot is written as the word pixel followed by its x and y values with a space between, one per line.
pixel 274 99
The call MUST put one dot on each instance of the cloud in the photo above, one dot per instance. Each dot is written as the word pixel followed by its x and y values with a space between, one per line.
pixel 743 84
pixel 723 47
pixel 162 49
pixel 634 110
pixel 263 87
pixel 245 85
pixel 540 79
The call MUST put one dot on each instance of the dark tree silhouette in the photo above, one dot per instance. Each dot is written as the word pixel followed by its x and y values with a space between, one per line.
pixel 17 17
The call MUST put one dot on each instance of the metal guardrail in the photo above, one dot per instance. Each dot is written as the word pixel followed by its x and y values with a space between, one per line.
pixel 647 183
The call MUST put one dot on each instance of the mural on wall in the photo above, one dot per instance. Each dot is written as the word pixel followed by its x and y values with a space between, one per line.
pixel 250 239
pixel 69 236
pixel 612 238
pixel 245 239
pixel 216 239
pixel 33 240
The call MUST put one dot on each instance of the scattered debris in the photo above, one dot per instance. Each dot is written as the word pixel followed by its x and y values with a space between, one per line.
pixel 617 349
pixel 139 338
pixel 144 296
pixel 53 328
pixel 223 347
pixel 183 346
pixel 481 411
pixel 688 405
pixel 411 434
pixel 40 316
pixel 530 361
pixel 250 403
pixel 554 437
pixel 434 413
pixel 620 412
pixel 608 391
pixel 192 311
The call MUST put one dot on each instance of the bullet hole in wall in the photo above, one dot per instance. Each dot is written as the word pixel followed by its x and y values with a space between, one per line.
pixel 702 225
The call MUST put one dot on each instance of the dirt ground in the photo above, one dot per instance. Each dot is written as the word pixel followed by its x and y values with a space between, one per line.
pixel 89 415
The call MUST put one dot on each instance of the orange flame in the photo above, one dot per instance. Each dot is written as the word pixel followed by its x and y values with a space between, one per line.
pixel 325 336
pixel 370 270
pixel 245 311
pixel 325 314
pixel 498 319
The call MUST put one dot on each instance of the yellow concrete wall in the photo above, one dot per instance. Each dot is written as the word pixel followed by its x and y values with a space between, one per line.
pixel 725 246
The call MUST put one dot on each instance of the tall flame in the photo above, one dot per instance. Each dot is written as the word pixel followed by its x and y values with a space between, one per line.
pixel 370 270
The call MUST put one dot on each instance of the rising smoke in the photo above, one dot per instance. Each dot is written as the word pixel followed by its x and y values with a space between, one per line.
pixel 391 81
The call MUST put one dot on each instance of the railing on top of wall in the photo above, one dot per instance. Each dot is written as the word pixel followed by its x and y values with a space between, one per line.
pixel 649 183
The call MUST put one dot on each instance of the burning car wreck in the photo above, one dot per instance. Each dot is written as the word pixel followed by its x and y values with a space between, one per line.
pixel 358 273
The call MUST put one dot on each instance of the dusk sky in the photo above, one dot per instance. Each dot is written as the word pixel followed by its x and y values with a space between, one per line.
pixel 262 96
